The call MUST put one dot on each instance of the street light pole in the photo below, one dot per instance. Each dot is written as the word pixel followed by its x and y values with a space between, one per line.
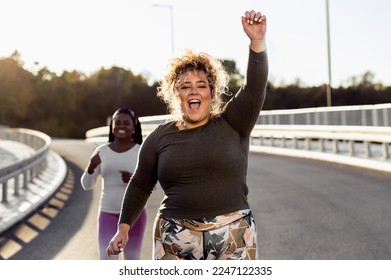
pixel 170 7
pixel 328 88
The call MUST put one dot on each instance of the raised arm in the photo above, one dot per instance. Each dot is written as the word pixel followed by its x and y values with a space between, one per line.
pixel 243 109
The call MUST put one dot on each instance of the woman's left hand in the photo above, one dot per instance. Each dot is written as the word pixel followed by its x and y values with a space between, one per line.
pixel 254 25
pixel 125 176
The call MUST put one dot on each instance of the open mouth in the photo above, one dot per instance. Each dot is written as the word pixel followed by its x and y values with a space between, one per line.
pixel 121 131
pixel 194 104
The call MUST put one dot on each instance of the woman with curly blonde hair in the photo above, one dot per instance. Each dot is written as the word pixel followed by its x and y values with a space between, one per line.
pixel 216 76
pixel 200 159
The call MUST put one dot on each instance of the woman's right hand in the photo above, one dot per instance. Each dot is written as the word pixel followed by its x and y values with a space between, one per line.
pixel 118 242
pixel 94 162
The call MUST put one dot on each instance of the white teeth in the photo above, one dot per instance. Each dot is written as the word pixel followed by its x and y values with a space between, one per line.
pixel 121 131
pixel 194 104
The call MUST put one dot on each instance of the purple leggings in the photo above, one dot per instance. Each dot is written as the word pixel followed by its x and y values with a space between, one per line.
pixel 107 227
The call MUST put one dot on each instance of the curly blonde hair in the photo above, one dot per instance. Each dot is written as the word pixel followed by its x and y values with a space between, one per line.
pixel 178 66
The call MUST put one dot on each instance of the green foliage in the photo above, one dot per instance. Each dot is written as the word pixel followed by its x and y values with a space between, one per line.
pixel 70 104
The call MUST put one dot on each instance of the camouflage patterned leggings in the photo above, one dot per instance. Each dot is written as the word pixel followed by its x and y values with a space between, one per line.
pixel 226 237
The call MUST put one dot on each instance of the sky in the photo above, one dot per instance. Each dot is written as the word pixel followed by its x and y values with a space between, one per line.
pixel 141 36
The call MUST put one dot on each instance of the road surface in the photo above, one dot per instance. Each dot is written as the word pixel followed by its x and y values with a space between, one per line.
pixel 304 209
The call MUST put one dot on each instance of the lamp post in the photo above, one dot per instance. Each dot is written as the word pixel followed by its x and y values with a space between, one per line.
pixel 170 7
pixel 328 88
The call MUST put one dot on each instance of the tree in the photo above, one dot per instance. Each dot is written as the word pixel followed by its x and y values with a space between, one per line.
pixel 70 104
pixel 15 90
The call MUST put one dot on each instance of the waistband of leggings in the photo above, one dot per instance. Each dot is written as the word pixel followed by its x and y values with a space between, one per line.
pixel 205 224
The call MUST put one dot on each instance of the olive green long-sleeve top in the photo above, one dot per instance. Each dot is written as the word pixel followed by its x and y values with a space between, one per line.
pixel 201 170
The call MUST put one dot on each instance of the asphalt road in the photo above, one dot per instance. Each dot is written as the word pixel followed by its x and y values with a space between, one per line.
pixel 304 209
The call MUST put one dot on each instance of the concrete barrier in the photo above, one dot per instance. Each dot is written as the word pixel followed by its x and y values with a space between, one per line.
pixel 28 182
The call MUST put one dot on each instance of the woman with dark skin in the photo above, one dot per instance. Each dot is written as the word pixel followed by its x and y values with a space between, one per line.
pixel 115 162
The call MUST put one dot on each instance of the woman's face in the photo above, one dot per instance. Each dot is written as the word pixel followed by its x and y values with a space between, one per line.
pixel 195 98
pixel 123 126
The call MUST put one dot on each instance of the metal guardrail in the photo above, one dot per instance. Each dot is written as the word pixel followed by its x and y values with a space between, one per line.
pixel 23 171
pixel 355 141
pixel 353 131
pixel 357 115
